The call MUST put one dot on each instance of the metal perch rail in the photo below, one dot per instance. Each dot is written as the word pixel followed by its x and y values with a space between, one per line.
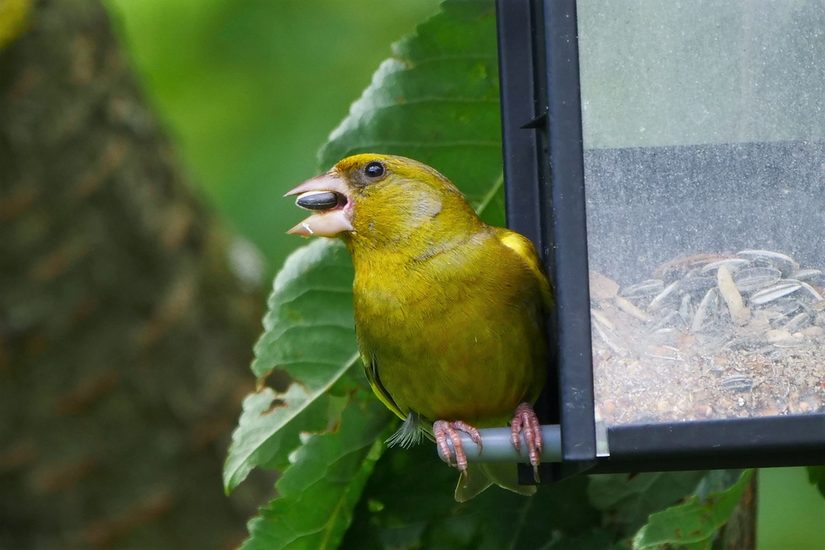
pixel 498 446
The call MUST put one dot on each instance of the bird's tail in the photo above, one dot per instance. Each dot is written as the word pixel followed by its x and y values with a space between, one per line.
pixel 480 476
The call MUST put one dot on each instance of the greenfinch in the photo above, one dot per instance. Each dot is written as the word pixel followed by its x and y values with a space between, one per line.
pixel 449 311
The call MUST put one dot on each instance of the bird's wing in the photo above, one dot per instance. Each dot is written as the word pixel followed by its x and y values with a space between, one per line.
pixel 414 428
pixel 525 250
pixel 371 370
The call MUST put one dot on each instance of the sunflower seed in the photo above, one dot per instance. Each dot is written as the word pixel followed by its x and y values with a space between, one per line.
pixel 754 278
pixel 774 292
pixel 660 298
pixel 811 291
pixel 808 275
pixel 317 200
pixel 707 307
pixel 797 322
pixel 737 383
pixel 602 318
pixel 650 287
pixel 783 263
pixel 628 307
pixel 733 264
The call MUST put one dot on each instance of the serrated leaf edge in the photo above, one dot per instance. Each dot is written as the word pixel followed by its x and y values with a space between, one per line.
pixel 231 480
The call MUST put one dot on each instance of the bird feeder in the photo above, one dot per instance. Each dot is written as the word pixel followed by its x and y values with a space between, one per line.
pixel 668 159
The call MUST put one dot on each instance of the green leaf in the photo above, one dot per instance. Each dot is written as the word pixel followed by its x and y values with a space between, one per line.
pixel 437 100
pixel 816 475
pixel 308 329
pixel 309 333
pixel 694 523
pixel 409 503
pixel 629 499
pixel 319 490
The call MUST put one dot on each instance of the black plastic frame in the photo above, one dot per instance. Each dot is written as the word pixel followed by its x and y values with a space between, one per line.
pixel 533 34
pixel 544 172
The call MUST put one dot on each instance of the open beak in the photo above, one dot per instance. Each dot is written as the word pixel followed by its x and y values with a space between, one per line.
pixel 328 222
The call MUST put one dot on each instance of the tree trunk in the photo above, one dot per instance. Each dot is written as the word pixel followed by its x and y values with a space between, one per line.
pixel 740 531
pixel 124 333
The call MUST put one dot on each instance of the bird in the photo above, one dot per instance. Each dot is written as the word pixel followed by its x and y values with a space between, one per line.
pixel 449 311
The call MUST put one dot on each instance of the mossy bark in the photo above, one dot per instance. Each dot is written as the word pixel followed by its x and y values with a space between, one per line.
pixel 124 334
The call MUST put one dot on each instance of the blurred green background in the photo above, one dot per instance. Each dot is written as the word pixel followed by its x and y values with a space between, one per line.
pixel 250 89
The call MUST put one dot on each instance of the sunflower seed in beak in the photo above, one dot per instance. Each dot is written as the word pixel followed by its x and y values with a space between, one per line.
pixel 317 200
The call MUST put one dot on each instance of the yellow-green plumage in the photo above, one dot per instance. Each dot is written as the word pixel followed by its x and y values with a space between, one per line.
pixel 449 311
pixel 458 335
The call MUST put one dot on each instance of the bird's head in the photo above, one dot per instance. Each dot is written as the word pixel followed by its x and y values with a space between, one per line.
pixel 382 199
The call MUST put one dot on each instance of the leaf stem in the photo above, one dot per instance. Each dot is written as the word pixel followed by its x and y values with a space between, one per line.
pixel 485 201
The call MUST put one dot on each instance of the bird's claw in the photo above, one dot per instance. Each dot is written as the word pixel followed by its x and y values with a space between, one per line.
pixel 525 421
pixel 443 429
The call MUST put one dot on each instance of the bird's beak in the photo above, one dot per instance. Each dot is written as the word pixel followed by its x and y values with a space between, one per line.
pixel 330 221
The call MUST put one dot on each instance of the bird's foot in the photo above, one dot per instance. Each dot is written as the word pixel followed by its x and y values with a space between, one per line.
pixel 443 429
pixel 525 421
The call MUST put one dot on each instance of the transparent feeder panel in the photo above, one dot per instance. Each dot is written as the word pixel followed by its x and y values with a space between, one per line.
pixel 705 187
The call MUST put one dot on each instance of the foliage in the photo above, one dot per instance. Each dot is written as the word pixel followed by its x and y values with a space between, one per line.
pixel 409 503
pixel 319 491
pixel 694 523
pixel 436 100
pixel 816 475
pixel 309 333
pixel 628 499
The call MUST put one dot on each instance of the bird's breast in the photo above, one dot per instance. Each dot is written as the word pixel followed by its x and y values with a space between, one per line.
pixel 450 344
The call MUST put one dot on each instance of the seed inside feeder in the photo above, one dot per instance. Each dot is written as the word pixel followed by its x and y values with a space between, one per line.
pixel 717 336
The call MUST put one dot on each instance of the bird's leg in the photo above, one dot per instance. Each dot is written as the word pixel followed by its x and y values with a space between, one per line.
pixel 443 429
pixel 525 421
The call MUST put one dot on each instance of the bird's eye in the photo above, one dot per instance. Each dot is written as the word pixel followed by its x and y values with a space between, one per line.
pixel 374 170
